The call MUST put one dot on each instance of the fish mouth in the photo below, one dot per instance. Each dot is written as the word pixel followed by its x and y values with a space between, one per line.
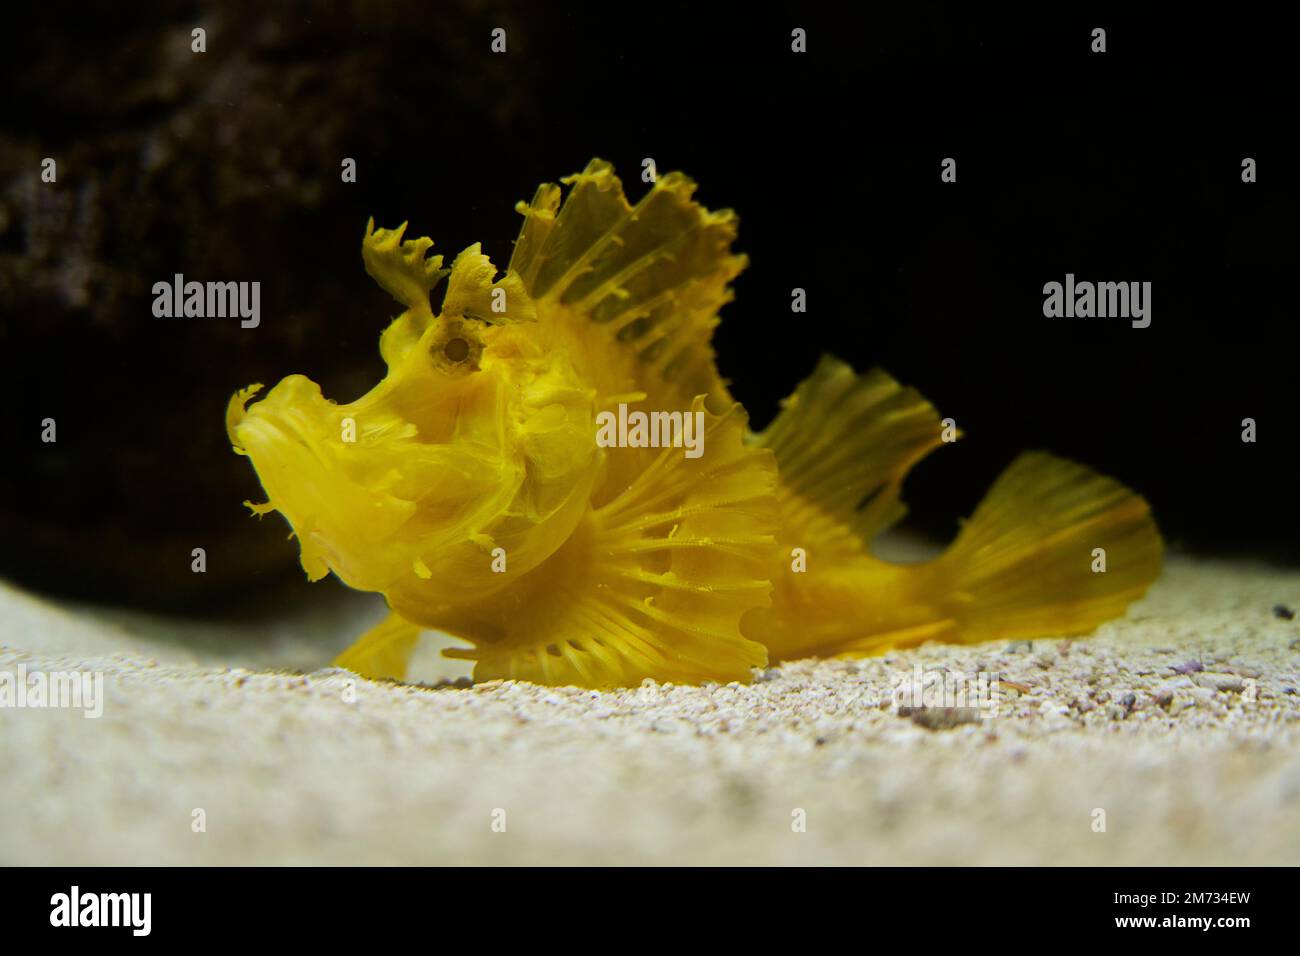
pixel 298 442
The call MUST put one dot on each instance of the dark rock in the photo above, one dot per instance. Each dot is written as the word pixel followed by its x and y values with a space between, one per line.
pixel 224 166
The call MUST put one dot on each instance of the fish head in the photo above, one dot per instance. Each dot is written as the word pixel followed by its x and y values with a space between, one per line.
pixel 467 465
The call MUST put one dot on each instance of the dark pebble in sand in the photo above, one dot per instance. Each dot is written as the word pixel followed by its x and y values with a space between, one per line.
pixel 459 683
pixel 941 718
pixel 1284 612
pixel 1191 667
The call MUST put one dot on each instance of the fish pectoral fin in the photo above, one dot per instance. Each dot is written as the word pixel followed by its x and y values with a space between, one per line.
pixel 1054 548
pixel 843 444
pixel 383 652
pixel 653 584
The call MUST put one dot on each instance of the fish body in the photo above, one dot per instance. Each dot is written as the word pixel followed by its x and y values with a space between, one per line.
pixel 469 489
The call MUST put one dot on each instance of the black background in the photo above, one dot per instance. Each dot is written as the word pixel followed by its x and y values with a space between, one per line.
pixel 1122 166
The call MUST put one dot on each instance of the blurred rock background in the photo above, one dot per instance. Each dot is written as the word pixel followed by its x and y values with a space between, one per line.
pixel 223 166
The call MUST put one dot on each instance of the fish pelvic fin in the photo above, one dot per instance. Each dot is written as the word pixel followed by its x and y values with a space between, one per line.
pixel 648 280
pixel 843 444
pixel 1054 548
pixel 383 652
pixel 652 584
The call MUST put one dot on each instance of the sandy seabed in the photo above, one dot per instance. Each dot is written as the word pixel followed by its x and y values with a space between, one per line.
pixel 1177 727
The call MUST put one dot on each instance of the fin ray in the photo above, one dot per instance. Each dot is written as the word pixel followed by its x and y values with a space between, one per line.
pixel 843 444
pixel 648 279
pixel 628 598
pixel 384 651
pixel 1022 565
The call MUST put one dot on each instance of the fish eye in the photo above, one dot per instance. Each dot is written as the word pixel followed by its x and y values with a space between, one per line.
pixel 455 346
pixel 456 350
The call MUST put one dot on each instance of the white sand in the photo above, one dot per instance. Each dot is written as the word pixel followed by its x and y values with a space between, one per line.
pixel 1198 768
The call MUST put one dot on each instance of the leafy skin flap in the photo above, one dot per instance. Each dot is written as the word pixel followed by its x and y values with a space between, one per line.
pixel 235 414
pixel 400 266
pixel 471 291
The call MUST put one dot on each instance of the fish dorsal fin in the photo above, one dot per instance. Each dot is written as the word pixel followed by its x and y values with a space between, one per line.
pixel 843 443
pixel 649 278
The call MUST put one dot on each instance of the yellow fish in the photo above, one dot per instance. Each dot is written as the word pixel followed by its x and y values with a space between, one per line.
pixel 471 489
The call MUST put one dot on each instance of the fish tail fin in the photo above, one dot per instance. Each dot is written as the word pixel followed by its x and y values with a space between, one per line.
pixel 1054 548
pixel 843 444
pixel 383 652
